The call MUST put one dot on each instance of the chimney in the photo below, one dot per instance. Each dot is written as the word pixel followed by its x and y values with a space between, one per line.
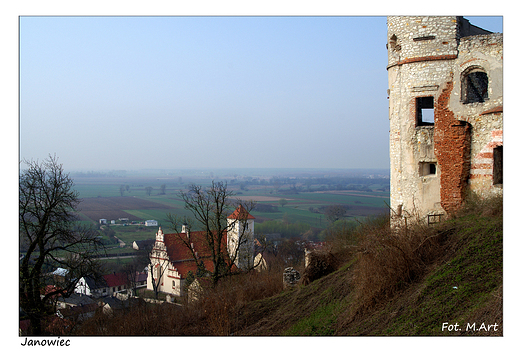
pixel 186 230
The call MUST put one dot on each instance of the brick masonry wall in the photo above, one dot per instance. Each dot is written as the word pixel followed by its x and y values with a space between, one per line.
pixel 452 150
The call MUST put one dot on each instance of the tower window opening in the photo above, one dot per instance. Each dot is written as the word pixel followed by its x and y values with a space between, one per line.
pixel 474 87
pixel 424 111
pixel 427 169
pixel 498 155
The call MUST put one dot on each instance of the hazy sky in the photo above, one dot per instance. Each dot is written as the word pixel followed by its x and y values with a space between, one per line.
pixel 208 92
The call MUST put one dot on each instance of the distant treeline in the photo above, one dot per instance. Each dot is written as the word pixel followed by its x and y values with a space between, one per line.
pixel 292 185
pixel 92 174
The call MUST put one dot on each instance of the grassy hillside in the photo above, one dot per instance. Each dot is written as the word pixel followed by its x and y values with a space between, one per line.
pixel 456 279
pixel 442 280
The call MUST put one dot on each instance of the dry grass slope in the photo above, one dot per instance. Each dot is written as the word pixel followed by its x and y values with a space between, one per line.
pixel 384 283
pixel 401 283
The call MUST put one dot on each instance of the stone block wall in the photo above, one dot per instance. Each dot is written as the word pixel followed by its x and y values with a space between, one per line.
pixel 434 163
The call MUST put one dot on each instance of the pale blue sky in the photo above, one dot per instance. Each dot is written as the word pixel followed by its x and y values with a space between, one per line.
pixel 206 92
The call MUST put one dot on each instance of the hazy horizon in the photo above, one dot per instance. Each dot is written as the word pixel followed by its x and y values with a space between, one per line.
pixel 134 93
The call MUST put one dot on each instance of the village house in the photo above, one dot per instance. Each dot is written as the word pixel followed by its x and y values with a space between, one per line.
pixel 171 260
pixel 151 223
pixel 146 244
pixel 78 312
pixel 73 300
pixel 111 304
pixel 102 287
pixel 59 275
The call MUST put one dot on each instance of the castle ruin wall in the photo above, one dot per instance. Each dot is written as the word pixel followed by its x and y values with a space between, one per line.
pixel 435 162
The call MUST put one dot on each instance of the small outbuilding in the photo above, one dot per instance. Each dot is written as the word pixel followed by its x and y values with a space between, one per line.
pixel 151 223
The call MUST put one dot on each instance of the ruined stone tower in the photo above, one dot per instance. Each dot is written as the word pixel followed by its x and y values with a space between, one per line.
pixel 445 111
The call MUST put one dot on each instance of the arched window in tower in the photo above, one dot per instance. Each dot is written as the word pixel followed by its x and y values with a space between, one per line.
pixel 474 86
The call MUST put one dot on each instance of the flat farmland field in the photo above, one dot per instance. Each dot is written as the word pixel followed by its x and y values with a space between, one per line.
pixel 298 208
pixel 304 202
pixel 113 208
pixel 131 233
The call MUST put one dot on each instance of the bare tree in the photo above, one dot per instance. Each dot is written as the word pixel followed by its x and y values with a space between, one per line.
pixel 148 190
pixel 163 189
pixel 210 208
pixel 134 267
pixel 51 237
pixel 335 212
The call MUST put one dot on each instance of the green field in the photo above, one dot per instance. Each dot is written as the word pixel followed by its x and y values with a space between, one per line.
pixel 102 198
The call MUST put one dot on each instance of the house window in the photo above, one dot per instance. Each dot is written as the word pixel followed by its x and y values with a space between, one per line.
pixel 474 86
pixel 497 165
pixel 424 112
pixel 173 284
pixel 427 169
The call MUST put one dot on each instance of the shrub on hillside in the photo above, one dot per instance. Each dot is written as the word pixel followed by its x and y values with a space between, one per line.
pixel 343 236
pixel 215 313
pixel 389 259
pixel 487 207
pixel 219 307
pixel 320 264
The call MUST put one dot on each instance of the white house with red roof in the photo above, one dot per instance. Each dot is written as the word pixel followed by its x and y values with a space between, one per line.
pixel 107 285
pixel 172 260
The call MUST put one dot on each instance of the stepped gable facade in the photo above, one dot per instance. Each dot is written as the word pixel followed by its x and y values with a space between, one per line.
pixel 446 116
pixel 172 260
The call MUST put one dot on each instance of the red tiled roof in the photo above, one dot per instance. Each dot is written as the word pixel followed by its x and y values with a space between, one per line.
pixel 183 267
pixel 177 249
pixel 50 289
pixel 182 258
pixel 115 279
pixel 240 213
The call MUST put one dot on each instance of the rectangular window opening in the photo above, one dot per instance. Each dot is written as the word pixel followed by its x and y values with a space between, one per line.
pixel 498 155
pixel 424 111
pixel 433 168
pixel 427 169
